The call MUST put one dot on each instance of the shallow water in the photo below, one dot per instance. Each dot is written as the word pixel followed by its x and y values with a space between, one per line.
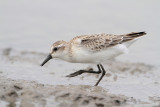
pixel 28 28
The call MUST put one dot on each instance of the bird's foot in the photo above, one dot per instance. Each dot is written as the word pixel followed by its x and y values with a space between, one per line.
pixel 76 73
pixel 81 72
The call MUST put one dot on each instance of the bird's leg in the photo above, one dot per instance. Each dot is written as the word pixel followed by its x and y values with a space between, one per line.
pixel 103 73
pixel 84 71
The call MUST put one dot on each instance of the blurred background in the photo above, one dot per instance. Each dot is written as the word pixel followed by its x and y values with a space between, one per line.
pixel 35 24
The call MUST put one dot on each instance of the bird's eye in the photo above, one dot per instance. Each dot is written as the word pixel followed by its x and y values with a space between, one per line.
pixel 55 49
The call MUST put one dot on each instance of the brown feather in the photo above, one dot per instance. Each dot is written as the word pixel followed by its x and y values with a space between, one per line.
pixel 99 42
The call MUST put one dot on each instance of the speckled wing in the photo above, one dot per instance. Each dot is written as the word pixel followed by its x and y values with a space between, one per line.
pixel 103 41
pixel 100 42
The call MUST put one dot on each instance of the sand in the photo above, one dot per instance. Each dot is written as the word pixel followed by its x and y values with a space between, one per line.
pixel 119 87
pixel 29 94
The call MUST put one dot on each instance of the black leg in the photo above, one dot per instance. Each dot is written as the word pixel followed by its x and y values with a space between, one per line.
pixel 103 73
pixel 84 71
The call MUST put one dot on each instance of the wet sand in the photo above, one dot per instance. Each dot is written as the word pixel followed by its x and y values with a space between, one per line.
pixel 29 94
pixel 15 90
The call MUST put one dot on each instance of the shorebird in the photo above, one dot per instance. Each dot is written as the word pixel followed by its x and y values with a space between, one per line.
pixel 97 49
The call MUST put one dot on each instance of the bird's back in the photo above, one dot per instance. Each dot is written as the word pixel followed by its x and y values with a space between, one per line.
pixel 99 42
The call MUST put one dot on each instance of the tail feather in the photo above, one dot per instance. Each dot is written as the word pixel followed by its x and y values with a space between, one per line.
pixel 136 34
pixel 132 36
pixel 128 39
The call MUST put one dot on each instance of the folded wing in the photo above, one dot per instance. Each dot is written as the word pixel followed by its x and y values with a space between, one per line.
pixel 103 41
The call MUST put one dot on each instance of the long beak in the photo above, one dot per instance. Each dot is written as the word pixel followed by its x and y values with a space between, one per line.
pixel 47 59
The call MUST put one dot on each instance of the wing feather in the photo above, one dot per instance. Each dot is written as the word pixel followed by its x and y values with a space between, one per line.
pixel 99 42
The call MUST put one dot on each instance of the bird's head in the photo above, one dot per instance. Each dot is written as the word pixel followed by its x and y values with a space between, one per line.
pixel 57 51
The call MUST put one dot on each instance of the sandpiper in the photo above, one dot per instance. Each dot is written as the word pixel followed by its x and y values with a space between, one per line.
pixel 97 49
